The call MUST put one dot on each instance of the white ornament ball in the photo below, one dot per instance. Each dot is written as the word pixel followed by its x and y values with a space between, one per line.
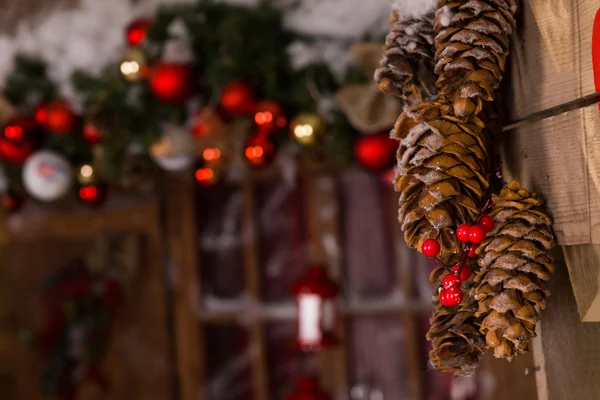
pixel 175 150
pixel 47 176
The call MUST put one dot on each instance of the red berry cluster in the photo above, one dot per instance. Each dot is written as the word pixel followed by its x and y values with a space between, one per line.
pixel 451 294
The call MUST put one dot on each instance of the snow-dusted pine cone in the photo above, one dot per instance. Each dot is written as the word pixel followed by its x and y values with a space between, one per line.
pixel 515 266
pixel 442 174
pixel 457 343
pixel 472 44
pixel 407 67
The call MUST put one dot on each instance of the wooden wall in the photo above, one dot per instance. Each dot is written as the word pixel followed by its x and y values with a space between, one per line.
pixel 139 362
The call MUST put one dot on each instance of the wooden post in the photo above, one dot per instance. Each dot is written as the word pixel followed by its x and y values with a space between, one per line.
pixel 253 287
pixel 412 349
pixel 187 288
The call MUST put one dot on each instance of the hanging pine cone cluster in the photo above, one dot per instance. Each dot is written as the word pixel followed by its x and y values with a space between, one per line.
pixel 407 66
pixel 444 171
pixel 515 266
pixel 442 174
pixel 471 47
pixel 454 334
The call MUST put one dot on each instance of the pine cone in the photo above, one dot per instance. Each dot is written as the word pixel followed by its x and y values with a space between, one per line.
pixel 442 174
pixel 407 66
pixel 515 266
pixel 454 333
pixel 472 44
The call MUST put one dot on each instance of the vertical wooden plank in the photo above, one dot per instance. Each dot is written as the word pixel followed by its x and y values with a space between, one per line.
pixel 253 287
pixel 187 289
pixel 412 340
pixel 323 229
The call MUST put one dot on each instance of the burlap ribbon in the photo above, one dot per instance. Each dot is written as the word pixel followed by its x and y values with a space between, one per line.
pixel 367 108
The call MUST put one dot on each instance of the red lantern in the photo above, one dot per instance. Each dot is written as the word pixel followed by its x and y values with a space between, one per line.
pixel 172 82
pixel 60 119
pixel 93 195
pixel 316 297
pixel 136 31
pixel 377 152
pixel 259 151
pixel 238 98
pixel 269 116
pixel 308 389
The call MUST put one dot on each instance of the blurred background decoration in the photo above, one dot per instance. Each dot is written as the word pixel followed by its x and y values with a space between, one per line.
pixel 187 93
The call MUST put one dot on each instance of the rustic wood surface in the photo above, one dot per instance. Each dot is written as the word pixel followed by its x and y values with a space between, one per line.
pixel 187 289
pixel 138 363
pixel 570 348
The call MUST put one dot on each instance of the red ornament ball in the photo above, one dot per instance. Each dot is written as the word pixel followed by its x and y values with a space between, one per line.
pixel 61 119
pixel 136 31
pixel 376 153
pixel 11 202
pixel 472 253
pixel 259 151
pixel 450 281
pixel 464 274
pixel 269 116
pixel 451 297
pixel 476 235
pixel 487 223
pixel 92 134
pixel 463 232
pixel 431 248
pixel 41 114
pixel 238 98
pixel 18 140
pixel 93 195
pixel 15 153
pixel 172 82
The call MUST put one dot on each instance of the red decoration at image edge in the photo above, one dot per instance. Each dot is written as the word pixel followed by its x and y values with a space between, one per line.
pixel 596 52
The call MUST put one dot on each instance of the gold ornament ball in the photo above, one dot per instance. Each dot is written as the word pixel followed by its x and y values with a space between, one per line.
pixel 86 174
pixel 133 64
pixel 307 129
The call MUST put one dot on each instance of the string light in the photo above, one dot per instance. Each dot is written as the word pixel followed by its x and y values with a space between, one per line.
pixel 130 68
pixel 86 171
pixel 88 192
pixel 211 154
pixel 303 131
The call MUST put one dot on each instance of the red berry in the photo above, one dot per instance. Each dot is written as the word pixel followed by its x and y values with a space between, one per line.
pixel 476 235
pixel 451 297
pixel 464 274
pixel 462 233
pixel 472 253
pixel 450 281
pixel 487 223
pixel 431 248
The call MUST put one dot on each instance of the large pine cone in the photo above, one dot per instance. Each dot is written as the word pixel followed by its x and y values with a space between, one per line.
pixel 515 266
pixel 442 174
pixel 472 44
pixel 407 65
pixel 456 341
